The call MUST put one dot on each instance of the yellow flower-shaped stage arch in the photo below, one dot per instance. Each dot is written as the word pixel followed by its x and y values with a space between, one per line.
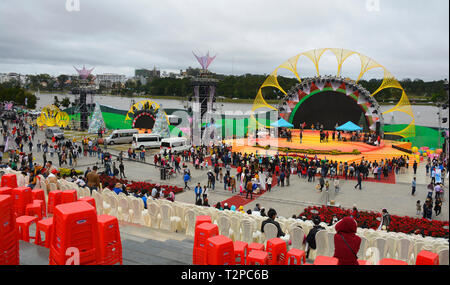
pixel 52 116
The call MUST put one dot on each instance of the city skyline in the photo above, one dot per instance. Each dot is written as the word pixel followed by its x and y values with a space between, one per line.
pixel 410 38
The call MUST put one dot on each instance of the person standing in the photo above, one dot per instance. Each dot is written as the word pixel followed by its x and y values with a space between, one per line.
pixel 93 179
pixel 418 208
pixel 437 206
pixel 186 179
pixel 301 136
pixel 359 181
pixel 249 188
pixel 198 191
pixel 336 185
pixel 385 220
pixel 205 192
pixel 413 186
pixel 415 167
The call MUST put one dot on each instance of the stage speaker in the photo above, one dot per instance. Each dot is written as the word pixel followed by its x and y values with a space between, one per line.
pixel 378 126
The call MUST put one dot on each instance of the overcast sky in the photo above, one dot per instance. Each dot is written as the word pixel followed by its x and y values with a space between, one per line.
pixel 410 38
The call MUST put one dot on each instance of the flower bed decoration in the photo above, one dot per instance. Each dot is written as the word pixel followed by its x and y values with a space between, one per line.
pixel 139 186
pixel 372 220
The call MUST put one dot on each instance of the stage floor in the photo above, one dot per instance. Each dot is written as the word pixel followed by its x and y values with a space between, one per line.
pixel 311 141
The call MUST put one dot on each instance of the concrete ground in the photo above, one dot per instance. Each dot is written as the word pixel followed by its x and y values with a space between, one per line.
pixel 396 198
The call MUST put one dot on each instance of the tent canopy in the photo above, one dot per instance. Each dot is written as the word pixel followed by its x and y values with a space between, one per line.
pixel 349 126
pixel 282 123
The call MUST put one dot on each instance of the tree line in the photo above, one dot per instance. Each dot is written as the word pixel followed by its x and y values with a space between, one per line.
pixel 11 93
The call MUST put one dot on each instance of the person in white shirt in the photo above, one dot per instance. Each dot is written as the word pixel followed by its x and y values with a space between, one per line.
pixel 336 185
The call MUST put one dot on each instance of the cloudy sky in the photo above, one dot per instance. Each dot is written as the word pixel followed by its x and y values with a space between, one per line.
pixel 410 38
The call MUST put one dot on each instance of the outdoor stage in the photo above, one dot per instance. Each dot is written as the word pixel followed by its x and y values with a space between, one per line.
pixel 311 142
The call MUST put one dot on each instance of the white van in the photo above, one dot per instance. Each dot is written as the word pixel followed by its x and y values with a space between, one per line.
pixel 121 136
pixel 56 132
pixel 142 141
pixel 174 144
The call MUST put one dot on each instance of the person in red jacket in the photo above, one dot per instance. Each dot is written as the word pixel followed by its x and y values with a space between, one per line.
pixel 346 242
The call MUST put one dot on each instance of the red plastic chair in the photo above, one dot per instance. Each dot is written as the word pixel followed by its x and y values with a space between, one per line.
pixel 89 200
pixel 23 224
pixel 54 199
pixel 75 225
pixel 110 242
pixel 34 209
pixel 68 196
pixel 45 226
pixel 325 260
pixel 241 252
pixel 7 215
pixel 255 246
pixel 9 234
pixel 257 256
pixel 390 261
pixel 220 250
pixel 202 219
pixel 9 180
pixel 277 250
pixel 38 194
pixel 204 231
pixel 296 256
pixel 22 197
pixel 427 258
pixel 5 190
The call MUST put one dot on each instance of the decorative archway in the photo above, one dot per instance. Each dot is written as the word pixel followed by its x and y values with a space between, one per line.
pixel 351 86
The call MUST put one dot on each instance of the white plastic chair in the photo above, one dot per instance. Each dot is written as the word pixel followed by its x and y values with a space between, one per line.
pixel 404 250
pixel 391 246
pixel 166 213
pixel 362 248
pixel 114 206
pixel 249 232
pixel 443 257
pixel 154 210
pixel 270 232
pixel 321 243
pixel 235 226
pixel 330 236
pixel 380 244
pixel 124 209
pixel 98 202
pixel 224 224
pixel 190 222
pixel 297 237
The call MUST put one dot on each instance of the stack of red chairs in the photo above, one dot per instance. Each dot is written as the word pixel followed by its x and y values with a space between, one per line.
pixel 68 196
pixel 22 197
pixel 75 226
pixel 9 180
pixel 220 250
pixel 110 243
pixel 39 195
pixel 277 250
pixel 427 258
pixel 54 199
pixel 203 231
pixel 9 237
pixel 5 190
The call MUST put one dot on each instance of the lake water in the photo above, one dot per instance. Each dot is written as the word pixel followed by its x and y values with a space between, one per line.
pixel 424 115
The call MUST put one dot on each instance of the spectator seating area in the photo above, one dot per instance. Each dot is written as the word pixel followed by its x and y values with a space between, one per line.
pixel 181 217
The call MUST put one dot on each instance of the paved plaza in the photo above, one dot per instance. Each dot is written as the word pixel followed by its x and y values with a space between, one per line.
pixel 288 200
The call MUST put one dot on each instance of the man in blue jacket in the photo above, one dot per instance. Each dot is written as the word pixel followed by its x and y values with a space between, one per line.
pixel 198 192
pixel 186 179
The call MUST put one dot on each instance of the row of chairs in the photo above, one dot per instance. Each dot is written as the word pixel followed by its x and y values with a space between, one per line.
pixel 179 217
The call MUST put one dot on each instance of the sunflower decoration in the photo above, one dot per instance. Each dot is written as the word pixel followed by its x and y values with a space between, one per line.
pixel 51 116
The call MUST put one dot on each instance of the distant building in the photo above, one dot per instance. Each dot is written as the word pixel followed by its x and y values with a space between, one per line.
pixel 6 77
pixel 147 73
pixel 108 79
